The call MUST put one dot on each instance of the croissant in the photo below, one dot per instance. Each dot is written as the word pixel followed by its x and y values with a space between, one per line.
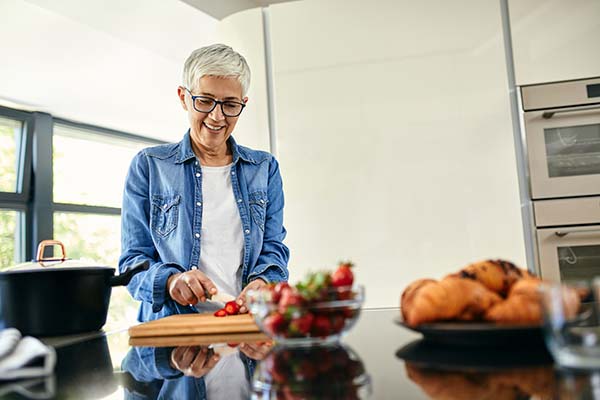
pixel 496 275
pixel 510 385
pixel 427 300
pixel 524 304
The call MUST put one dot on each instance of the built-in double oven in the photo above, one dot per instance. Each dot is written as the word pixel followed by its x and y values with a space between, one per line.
pixel 562 132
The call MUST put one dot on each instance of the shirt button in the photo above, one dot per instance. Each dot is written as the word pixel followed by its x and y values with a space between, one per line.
pixel 262 201
pixel 239 200
pixel 199 204
pixel 197 235
pixel 193 267
pixel 197 175
pixel 247 231
pixel 232 172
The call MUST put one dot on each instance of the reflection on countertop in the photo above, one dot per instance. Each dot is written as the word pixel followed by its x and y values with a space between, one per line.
pixel 378 359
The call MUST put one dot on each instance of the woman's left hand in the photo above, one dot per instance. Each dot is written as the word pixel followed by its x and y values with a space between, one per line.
pixel 256 284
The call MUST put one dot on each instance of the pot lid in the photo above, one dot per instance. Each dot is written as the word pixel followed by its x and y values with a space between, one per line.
pixel 61 262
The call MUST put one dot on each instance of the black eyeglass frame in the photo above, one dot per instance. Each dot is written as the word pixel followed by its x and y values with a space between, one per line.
pixel 216 102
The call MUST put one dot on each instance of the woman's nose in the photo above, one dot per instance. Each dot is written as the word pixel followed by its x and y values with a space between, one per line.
pixel 217 113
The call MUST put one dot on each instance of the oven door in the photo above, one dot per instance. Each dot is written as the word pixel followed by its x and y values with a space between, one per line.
pixel 569 254
pixel 563 147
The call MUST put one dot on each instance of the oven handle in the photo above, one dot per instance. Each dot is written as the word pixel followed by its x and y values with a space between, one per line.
pixel 550 114
pixel 561 234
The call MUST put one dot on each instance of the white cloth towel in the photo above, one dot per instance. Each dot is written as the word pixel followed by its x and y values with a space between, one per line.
pixel 19 356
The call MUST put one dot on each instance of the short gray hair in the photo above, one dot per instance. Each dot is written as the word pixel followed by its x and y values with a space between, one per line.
pixel 216 60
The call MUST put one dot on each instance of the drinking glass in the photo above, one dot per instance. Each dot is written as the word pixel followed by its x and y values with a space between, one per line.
pixel 571 323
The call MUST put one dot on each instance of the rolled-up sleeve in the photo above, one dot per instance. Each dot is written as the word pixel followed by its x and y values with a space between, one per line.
pixel 274 255
pixel 136 239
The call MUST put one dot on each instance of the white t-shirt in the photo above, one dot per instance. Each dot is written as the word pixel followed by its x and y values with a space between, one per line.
pixel 222 237
pixel 227 380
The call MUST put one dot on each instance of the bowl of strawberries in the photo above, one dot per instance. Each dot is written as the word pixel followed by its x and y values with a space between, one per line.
pixel 317 310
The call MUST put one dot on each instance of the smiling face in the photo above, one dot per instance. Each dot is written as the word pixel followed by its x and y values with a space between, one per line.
pixel 209 131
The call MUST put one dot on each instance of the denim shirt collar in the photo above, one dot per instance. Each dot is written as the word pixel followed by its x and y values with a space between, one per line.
pixel 186 153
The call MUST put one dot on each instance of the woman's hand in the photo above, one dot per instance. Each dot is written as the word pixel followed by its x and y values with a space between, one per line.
pixel 256 351
pixel 188 288
pixel 256 284
pixel 194 361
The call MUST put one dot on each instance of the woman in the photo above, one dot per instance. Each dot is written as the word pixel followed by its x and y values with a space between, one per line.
pixel 206 212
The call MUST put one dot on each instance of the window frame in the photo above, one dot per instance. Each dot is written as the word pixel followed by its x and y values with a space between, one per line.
pixel 34 195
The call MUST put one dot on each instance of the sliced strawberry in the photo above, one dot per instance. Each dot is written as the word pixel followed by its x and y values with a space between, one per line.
pixel 231 308
pixel 220 313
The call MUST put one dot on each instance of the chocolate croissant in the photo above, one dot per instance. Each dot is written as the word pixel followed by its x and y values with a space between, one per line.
pixel 427 300
pixel 496 275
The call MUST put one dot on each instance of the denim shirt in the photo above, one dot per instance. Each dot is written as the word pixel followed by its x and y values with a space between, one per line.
pixel 154 378
pixel 161 220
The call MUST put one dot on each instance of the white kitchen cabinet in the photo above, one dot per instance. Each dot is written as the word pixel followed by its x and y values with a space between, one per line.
pixel 555 40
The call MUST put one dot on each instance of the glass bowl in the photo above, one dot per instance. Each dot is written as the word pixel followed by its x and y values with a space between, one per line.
pixel 317 372
pixel 292 318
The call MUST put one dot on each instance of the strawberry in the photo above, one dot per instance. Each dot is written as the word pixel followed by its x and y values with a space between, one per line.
pixel 289 299
pixel 278 289
pixel 343 276
pixel 300 326
pixel 337 322
pixel 220 313
pixel 231 308
pixel 274 323
pixel 320 326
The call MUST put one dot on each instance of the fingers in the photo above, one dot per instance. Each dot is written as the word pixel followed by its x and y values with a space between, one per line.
pixel 204 361
pixel 254 351
pixel 206 283
pixel 190 287
pixel 195 286
pixel 182 357
pixel 256 284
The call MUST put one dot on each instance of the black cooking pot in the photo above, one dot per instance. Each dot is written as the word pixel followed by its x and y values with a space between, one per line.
pixel 57 296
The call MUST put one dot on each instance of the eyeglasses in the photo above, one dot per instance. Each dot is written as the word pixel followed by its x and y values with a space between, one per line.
pixel 206 104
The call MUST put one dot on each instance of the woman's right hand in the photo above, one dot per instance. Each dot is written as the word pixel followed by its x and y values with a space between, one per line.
pixel 193 361
pixel 190 287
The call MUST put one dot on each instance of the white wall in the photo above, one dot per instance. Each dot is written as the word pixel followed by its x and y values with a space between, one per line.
pixel 555 40
pixel 111 63
pixel 394 138
pixel 244 32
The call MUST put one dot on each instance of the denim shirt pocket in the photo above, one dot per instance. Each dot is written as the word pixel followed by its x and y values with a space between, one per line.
pixel 165 212
pixel 258 207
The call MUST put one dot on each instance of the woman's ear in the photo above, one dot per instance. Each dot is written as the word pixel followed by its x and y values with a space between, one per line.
pixel 181 94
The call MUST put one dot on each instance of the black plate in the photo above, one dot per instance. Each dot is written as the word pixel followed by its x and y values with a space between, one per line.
pixel 426 354
pixel 479 333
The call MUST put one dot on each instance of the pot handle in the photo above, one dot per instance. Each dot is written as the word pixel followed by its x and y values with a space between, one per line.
pixel 124 278
pixel 42 246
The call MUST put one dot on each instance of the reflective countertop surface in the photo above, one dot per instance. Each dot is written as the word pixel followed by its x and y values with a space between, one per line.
pixel 378 359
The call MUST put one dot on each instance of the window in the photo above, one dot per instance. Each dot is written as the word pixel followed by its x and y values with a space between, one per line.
pixel 10 140
pixel 10 237
pixel 76 197
pixel 89 167
pixel 14 187
pixel 89 170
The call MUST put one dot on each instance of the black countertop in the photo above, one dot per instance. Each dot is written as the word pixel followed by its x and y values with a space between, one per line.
pixel 379 359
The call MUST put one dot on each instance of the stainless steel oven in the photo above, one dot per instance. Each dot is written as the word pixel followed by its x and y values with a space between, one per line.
pixel 562 136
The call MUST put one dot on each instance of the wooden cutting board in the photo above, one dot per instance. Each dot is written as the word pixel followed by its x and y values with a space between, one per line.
pixel 194 324
pixel 198 340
